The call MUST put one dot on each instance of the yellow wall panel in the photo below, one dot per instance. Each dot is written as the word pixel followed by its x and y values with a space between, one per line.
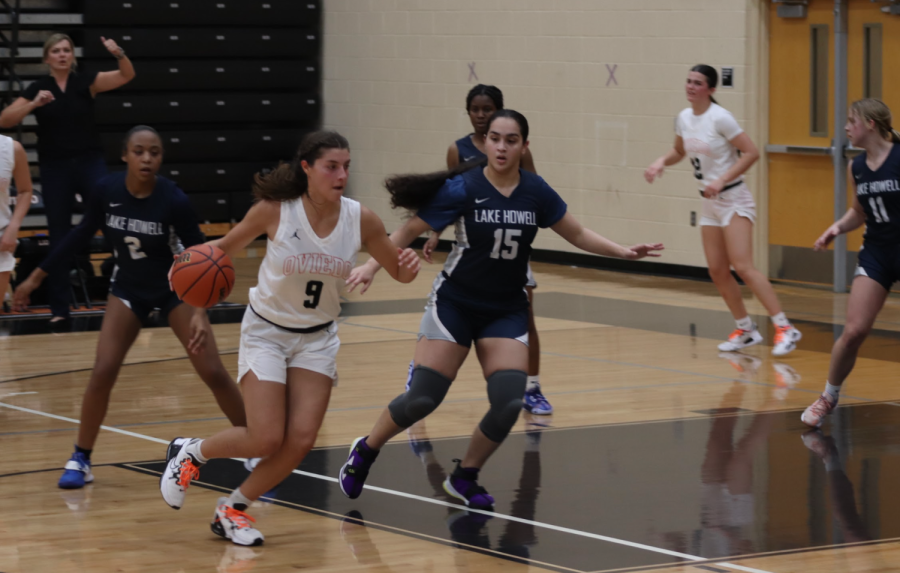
pixel 800 198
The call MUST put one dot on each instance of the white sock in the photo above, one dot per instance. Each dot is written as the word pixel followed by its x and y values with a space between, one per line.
pixel 833 391
pixel 534 383
pixel 239 501
pixel 744 323
pixel 780 320
pixel 193 448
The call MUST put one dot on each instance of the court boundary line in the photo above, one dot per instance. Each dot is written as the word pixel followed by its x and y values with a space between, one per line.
pixel 604 538
pixel 132 466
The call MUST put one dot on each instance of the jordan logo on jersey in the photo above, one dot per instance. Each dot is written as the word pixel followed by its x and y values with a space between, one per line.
pixel 317 264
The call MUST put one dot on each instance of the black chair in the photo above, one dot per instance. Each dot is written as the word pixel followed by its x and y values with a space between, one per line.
pixel 211 207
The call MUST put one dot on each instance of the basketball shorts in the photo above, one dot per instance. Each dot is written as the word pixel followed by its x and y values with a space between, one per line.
pixel 718 212
pixel 269 350
pixel 142 306
pixel 460 323
pixel 880 263
pixel 530 282
pixel 7 262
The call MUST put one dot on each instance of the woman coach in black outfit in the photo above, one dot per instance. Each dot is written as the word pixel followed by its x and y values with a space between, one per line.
pixel 70 153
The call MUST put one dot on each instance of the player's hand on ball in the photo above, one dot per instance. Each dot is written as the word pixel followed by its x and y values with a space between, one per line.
pixel 829 235
pixel 636 252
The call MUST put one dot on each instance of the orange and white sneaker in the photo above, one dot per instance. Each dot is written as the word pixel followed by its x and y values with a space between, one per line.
pixel 181 469
pixel 786 338
pixel 741 338
pixel 816 413
pixel 234 524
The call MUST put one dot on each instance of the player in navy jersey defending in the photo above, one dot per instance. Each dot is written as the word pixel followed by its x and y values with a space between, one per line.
pixel 143 216
pixel 478 297
pixel 876 177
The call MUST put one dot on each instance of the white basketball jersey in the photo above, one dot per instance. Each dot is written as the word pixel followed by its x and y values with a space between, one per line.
pixel 7 163
pixel 707 140
pixel 302 275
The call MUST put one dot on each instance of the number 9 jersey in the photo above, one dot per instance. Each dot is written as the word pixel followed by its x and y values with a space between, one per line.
pixel 707 142
pixel 302 274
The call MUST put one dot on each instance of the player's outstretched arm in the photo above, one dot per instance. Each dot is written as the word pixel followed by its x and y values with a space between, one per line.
pixel 261 219
pixel 401 238
pixel 402 264
pixel 587 240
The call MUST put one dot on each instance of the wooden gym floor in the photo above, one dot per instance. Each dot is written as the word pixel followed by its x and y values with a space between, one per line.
pixel 663 454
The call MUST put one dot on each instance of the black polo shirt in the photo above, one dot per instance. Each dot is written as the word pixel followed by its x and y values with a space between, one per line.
pixel 66 125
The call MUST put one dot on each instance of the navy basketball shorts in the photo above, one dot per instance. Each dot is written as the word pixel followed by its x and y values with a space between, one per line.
pixel 880 263
pixel 142 306
pixel 455 321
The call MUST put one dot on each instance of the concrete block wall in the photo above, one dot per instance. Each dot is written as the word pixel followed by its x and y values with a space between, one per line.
pixel 600 81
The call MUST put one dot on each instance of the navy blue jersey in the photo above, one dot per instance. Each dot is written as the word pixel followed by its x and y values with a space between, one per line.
pixel 144 233
pixel 467 150
pixel 493 233
pixel 879 194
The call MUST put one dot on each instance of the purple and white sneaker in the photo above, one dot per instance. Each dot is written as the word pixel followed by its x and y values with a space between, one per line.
pixel 354 473
pixel 536 403
pixel 463 484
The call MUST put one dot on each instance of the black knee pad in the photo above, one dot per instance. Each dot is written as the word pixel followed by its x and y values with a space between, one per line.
pixel 505 391
pixel 426 391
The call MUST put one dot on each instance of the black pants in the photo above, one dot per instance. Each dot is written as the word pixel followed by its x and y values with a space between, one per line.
pixel 61 180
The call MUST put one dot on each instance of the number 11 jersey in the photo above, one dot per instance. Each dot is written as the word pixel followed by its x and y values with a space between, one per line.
pixel 302 274
pixel 879 194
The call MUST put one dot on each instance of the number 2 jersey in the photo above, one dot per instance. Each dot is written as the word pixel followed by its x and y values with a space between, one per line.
pixel 302 274
pixel 879 194
pixel 494 233
pixel 143 232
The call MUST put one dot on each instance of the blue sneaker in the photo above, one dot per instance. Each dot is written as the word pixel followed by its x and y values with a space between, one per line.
pixel 536 403
pixel 412 366
pixel 463 484
pixel 77 472
pixel 354 473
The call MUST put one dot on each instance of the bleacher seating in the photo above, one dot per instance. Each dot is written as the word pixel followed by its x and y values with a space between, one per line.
pixel 232 85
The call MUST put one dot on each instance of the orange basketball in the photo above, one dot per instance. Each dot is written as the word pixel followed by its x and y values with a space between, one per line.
pixel 202 276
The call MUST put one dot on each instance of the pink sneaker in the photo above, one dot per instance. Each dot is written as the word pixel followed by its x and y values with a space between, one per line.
pixel 815 414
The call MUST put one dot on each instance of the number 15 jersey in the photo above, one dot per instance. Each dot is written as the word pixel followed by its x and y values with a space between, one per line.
pixel 489 261
pixel 302 274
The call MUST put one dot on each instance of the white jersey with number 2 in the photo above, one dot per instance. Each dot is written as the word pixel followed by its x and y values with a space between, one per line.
pixel 302 274
pixel 707 142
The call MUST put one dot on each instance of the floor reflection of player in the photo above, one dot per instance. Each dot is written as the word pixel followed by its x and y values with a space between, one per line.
pixel 748 366
pixel 843 502
pixel 468 528
pixel 727 503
